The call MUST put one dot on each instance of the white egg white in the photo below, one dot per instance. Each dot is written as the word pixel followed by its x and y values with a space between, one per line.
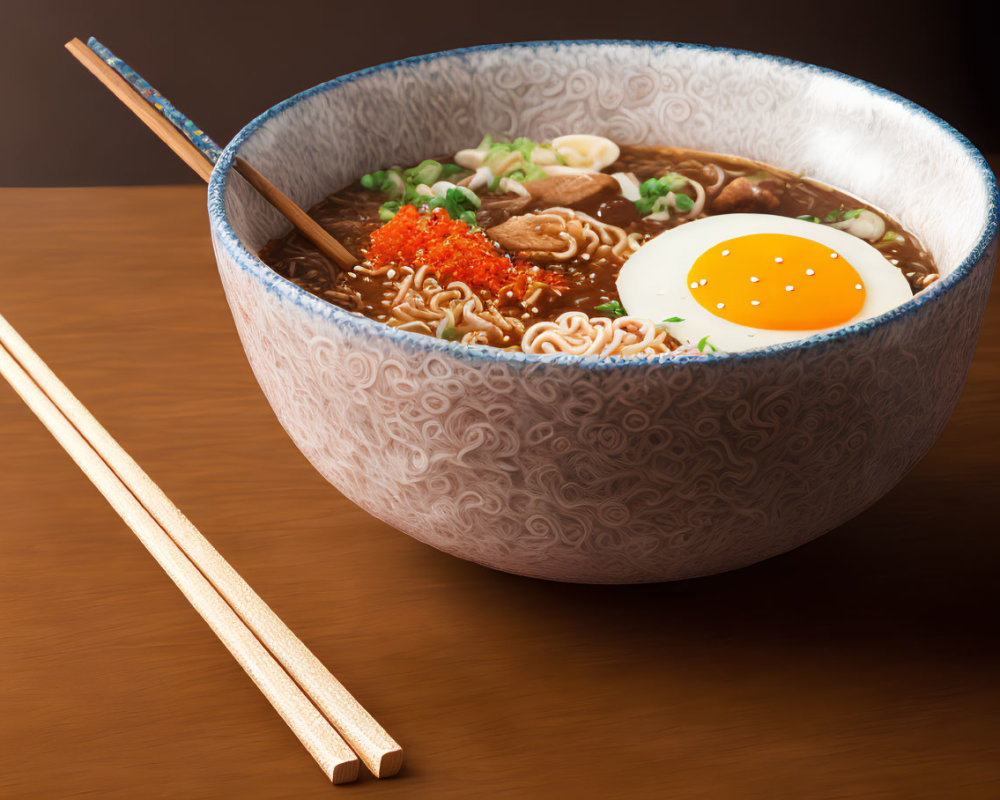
pixel 653 282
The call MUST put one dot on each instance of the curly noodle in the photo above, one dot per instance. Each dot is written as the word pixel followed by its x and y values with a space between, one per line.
pixel 419 303
pixel 575 333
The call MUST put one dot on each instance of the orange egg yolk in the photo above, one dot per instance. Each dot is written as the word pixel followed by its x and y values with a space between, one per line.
pixel 777 282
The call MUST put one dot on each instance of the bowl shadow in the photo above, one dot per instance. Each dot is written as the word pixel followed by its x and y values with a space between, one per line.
pixel 907 574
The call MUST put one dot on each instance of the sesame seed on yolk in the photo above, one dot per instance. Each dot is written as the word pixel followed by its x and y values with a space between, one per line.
pixel 758 283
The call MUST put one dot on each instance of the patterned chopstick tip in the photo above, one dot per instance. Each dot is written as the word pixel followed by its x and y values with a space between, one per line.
pixel 194 134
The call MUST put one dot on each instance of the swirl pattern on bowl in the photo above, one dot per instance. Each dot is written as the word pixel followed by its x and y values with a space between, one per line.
pixel 616 470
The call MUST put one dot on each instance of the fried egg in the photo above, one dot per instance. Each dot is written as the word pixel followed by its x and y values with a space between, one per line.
pixel 752 280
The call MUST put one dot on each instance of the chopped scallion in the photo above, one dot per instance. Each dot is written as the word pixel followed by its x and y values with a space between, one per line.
pixel 428 172
pixel 612 308
pixel 460 203
pixel 389 209
pixel 653 189
pixel 683 203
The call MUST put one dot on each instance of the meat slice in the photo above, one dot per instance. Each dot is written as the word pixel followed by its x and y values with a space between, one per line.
pixel 497 208
pixel 529 232
pixel 566 190
pixel 742 196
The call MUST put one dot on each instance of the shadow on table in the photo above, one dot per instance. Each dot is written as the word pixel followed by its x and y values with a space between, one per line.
pixel 916 570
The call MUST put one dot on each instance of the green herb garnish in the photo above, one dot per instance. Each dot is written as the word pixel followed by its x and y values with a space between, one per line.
pixel 451 334
pixel 834 215
pixel 674 319
pixel 389 209
pixel 389 181
pixel 612 308
pixel 460 203
pixel 854 213
pixel 373 180
pixel 808 218
pixel 427 172
pixel 653 189
pixel 705 343
pixel 402 184
pixel 522 169
pixel 644 205
pixel 527 172
pixel 889 238
pixel 683 203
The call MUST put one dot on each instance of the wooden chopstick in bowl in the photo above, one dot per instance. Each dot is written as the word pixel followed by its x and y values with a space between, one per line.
pixel 200 158
pixel 253 633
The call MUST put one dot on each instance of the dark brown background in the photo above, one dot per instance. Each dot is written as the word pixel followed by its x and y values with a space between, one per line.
pixel 223 63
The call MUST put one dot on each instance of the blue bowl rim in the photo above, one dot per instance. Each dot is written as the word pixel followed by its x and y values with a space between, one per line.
pixel 272 281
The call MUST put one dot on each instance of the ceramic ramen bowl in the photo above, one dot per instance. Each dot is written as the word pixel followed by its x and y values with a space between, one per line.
pixel 615 470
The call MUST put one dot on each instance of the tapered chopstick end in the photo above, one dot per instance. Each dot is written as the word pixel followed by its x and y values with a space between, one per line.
pixel 345 771
pixel 390 763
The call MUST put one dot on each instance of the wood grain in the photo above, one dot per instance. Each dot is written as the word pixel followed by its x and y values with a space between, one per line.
pixel 861 665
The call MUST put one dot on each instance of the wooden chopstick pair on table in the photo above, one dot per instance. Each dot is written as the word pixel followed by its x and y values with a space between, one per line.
pixel 274 658
pixel 331 724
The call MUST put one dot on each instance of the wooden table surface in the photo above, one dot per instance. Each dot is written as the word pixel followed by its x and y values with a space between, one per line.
pixel 864 664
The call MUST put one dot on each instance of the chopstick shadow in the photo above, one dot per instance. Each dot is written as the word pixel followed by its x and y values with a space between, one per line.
pixel 905 574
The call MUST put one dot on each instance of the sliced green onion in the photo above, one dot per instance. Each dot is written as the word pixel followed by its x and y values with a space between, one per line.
pixel 683 203
pixel 451 334
pixel 652 188
pixel 705 343
pixel 428 172
pixel 469 195
pixel 661 204
pixel 853 213
pixel 524 145
pixel 891 236
pixel 533 172
pixel 394 183
pixel 644 205
pixel 808 218
pixel 388 210
pixel 672 181
pixel 834 215
pixel 458 204
pixel 674 319
pixel 612 308
pixel 373 180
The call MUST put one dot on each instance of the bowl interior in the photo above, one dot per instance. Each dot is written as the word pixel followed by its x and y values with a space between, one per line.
pixel 812 121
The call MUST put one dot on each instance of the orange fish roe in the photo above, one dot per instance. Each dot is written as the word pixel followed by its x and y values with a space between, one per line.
pixel 453 252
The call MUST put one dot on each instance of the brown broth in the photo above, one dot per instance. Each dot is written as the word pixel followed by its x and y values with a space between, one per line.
pixel 351 215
